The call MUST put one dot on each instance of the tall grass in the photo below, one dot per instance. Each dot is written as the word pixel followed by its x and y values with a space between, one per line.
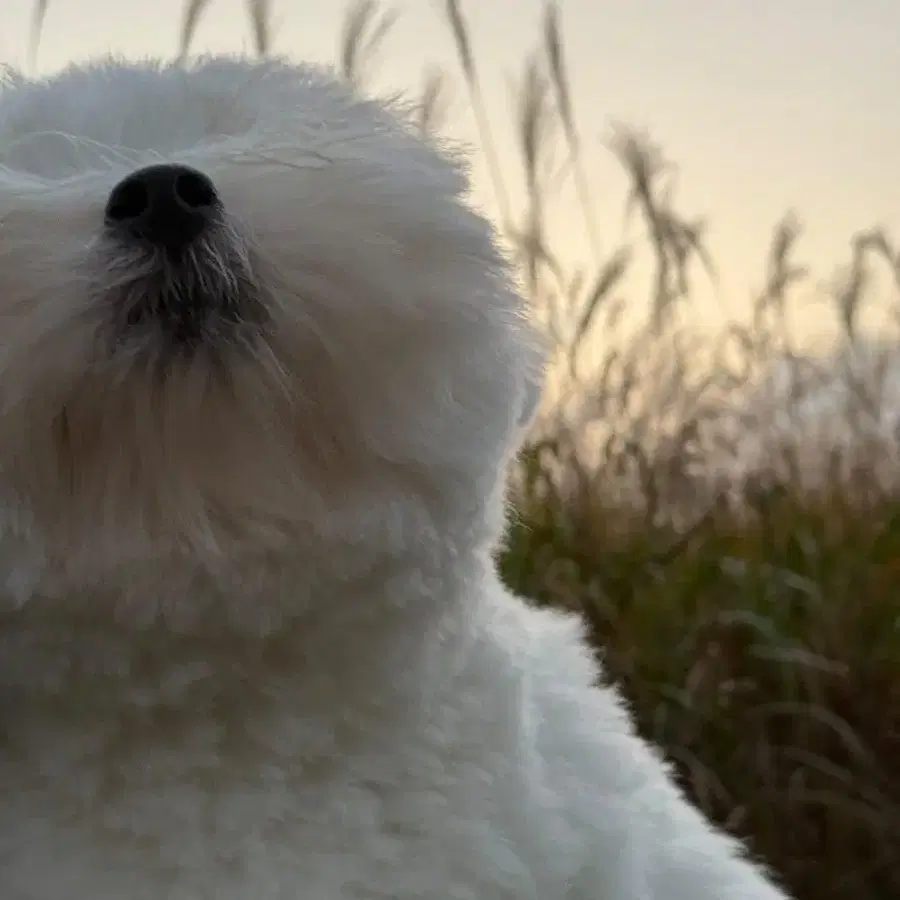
pixel 731 531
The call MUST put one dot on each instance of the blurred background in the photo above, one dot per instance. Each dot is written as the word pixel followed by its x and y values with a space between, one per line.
pixel 701 203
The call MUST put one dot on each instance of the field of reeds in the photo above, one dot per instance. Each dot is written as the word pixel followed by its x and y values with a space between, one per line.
pixel 730 529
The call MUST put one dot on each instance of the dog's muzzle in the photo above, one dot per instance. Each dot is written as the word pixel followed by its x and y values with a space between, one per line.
pixel 180 274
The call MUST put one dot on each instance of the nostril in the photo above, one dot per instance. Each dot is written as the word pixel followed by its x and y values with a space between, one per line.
pixel 195 190
pixel 129 200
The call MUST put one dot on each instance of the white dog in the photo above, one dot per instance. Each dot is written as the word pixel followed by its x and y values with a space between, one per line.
pixel 261 368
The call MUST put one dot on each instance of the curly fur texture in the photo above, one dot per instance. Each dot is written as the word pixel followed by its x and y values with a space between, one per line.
pixel 252 640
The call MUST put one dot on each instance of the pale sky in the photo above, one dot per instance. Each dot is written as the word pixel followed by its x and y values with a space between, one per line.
pixel 764 105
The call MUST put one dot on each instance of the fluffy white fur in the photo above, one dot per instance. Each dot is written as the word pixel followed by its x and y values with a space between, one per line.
pixel 252 643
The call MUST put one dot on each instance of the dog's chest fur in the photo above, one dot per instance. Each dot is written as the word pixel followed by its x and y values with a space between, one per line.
pixel 133 769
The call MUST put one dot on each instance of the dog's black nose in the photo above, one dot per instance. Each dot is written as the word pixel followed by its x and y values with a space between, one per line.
pixel 165 205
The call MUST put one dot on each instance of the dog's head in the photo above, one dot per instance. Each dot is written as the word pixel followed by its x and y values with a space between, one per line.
pixel 244 310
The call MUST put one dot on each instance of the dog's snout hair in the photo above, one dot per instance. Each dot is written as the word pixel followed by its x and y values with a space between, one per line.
pixel 166 303
pixel 177 274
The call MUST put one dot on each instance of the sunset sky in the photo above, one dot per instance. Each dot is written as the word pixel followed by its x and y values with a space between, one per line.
pixel 764 105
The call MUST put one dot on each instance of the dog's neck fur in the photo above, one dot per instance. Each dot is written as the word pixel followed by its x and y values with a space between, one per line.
pixel 377 615
pixel 371 640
